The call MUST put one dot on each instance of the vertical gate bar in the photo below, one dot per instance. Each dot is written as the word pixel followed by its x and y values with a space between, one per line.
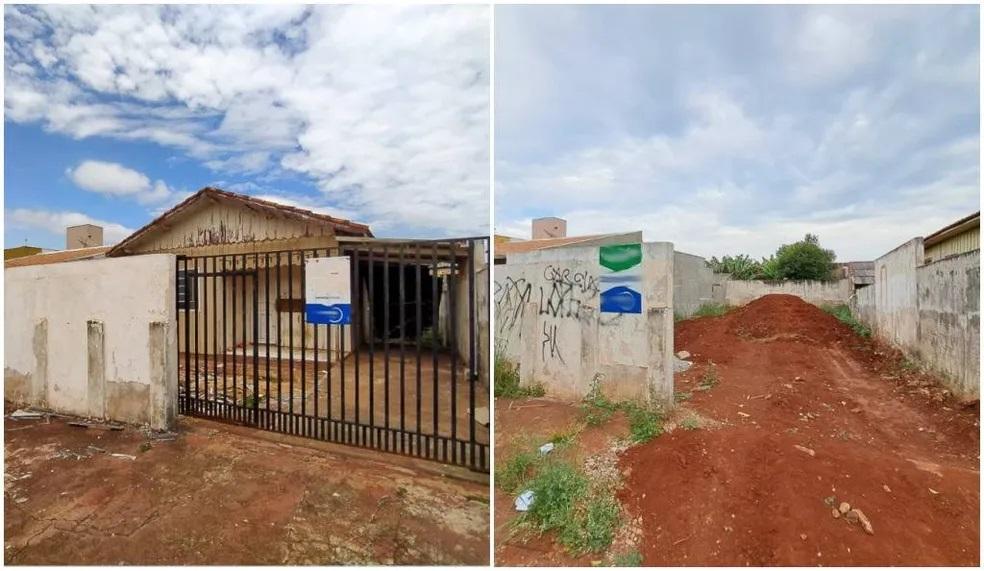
pixel 244 415
pixel 453 344
pixel 386 335
pixel 434 337
pixel 206 405
pixel 315 327
pixel 215 336
pixel 194 290
pixel 290 334
pixel 256 339
pixel 235 377
pixel 372 342
pixel 356 341
pixel 329 364
pixel 303 269
pixel 356 318
pixel 187 337
pixel 225 341
pixel 266 333
pixel 418 299
pixel 402 294
pixel 280 365
pixel 471 350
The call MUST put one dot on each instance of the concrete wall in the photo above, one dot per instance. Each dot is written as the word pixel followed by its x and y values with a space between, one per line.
pixel 896 312
pixel 931 312
pixel 740 292
pixel 94 338
pixel 547 321
pixel 949 334
pixel 693 284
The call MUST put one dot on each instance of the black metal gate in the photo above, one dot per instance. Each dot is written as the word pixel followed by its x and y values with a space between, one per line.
pixel 404 376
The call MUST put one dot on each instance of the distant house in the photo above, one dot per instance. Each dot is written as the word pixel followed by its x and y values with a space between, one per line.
pixel 20 252
pixel 551 233
pixel 961 237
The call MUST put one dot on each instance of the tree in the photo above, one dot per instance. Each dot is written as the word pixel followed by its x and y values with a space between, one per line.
pixel 804 260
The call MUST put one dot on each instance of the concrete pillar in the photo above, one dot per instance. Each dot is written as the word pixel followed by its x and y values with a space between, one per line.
pixel 39 384
pixel 163 377
pixel 96 369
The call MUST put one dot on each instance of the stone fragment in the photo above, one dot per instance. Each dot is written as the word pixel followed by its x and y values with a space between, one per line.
pixel 844 507
pixel 805 449
pixel 683 354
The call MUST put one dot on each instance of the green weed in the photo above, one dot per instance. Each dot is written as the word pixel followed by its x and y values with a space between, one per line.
pixel 710 378
pixel 712 310
pixel 690 423
pixel 644 424
pixel 507 381
pixel 843 313
pixel 516 471
pixel 628 559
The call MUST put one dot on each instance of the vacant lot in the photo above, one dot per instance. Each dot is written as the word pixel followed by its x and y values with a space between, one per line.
pixel 811 416
pixel 785 414
pixel 218 494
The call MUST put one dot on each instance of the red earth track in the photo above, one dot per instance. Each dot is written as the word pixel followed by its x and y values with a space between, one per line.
pixel 887 440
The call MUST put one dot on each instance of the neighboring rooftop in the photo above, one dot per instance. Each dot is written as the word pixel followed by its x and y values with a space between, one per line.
pixel 58 257
pixel 964 224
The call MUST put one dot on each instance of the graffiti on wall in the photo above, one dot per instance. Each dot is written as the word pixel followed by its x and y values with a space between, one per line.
pixel 562 294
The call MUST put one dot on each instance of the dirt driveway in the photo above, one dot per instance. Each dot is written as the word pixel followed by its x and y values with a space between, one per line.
pixel 228 495
pixel 811 415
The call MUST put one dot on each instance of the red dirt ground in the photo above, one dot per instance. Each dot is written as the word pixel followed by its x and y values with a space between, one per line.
pixel 221 494
pixel 886 440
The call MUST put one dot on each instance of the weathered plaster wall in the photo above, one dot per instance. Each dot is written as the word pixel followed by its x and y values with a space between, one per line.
pixel 547 321
pixel 693 284
pixel 896 312
pixel 740 292
pixel 94 338
pixel 930 312
pixel 949 333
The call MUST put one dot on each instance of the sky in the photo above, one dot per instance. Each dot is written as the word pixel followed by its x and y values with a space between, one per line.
pixel 113 114
pixel 733 129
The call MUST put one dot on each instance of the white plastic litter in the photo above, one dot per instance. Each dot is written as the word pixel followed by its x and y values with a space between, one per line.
pixel 524 501
pixel 546 448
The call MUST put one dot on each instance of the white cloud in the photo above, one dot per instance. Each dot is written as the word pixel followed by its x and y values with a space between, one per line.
pixel 114 179
pixel 385 108
pixel 860 124
pixel 54 223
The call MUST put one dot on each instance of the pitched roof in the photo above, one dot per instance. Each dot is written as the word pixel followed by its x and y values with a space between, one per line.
pixel 519 246
pixel 962 225
pixel 58 257
pixel 341 226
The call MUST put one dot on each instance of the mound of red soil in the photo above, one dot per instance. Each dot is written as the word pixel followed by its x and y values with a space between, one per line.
pixel 780 316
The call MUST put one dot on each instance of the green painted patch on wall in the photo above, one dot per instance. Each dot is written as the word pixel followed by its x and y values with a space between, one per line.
pixel 620 256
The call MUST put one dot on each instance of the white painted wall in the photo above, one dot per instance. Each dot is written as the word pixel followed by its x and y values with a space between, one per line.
pixel 54 360
pixel 740 292
pixel 896 311
pixel 547 321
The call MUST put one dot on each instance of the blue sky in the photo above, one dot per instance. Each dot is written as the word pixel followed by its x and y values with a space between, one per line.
pixel 735 129
pixel 113 114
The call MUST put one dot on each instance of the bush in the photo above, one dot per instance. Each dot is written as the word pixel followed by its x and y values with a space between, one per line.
pixel 804 260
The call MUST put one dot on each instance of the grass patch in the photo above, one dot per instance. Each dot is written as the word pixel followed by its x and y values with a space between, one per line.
pixel 515 472
pixel 843 313
pixel 507 382
pixel 690 423
pixel 566 437
pixel 712 310
pixel 597 408
pixel 627 559
pixel 644 424
pixel 584 516
pixel 710 378
pixel 682 396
